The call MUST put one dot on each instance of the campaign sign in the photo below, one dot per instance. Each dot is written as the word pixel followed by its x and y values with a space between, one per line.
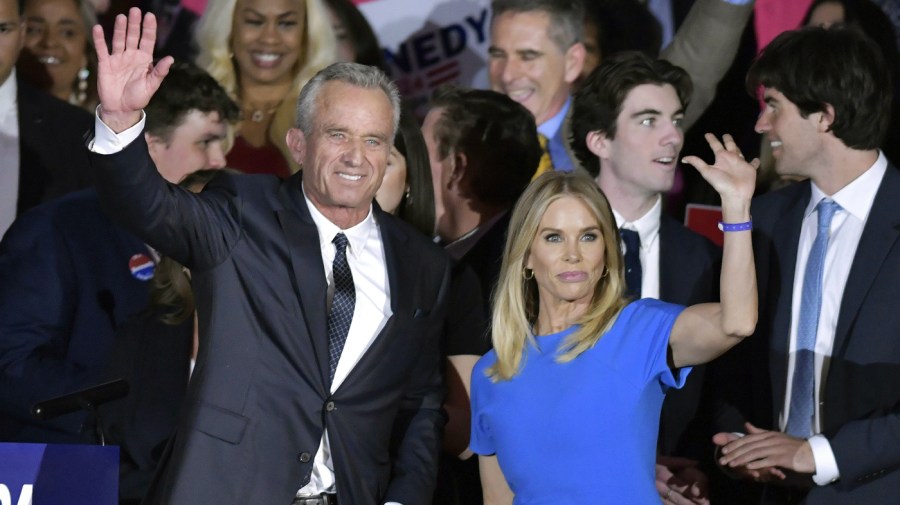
pixel 54 474
pixel 427 43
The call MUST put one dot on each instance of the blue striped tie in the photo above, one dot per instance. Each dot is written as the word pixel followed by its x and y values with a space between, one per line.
pixel 341 305
pixel 800 416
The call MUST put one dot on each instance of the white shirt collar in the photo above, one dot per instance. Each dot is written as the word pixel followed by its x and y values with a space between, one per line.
pixel 8 92
pixel 549 127
pixel 647 225
pixel 357 235
pixel 856 197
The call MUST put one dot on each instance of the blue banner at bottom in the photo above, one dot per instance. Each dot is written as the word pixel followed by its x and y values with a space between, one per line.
pixel 56 474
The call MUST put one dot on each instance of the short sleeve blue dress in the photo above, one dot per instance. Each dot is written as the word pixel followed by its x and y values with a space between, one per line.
pixel 582 432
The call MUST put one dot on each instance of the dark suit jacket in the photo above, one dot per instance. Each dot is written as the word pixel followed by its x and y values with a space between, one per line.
pixel 52 157
pixel 155 359
pixel 861 397
pixel 688 274
pixel 259 400
pixel 484 259
pixel 65 284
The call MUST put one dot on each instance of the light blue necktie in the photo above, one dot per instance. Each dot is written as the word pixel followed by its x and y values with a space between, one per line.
pixel 800 417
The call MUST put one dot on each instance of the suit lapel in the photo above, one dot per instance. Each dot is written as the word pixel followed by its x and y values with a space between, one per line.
pixel 879 235
pixel 302 238
pixel 782 263
pixel 400 272
pixel 34 177
pixel 672 264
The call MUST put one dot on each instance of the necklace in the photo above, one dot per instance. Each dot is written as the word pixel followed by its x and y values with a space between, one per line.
pixel 260 115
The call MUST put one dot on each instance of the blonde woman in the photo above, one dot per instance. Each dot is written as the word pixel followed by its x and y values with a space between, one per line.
pixel 566 407
pixel 263 52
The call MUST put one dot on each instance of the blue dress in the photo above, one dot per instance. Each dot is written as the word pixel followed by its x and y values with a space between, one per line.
pixel 582 432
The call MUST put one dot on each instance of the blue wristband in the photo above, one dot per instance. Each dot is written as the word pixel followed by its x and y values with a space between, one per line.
pixel 726 227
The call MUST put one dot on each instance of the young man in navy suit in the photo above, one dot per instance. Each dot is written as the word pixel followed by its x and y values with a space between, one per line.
pixel 69 276
pixel 627 120
pixel 816 391
pixel 319 373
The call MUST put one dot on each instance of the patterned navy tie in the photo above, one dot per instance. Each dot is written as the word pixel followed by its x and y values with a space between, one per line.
pixel 800 416
pixel 633 272
pixel 341 305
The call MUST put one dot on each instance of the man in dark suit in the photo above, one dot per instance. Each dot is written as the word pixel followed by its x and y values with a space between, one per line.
pixel 628 134
pixel 69 277
pixel 819 392
pixel 43 133
pixel 318 378
pixel 483 150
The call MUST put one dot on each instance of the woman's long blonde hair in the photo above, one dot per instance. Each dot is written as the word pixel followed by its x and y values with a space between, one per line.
pixel 215 56
pixel 516 299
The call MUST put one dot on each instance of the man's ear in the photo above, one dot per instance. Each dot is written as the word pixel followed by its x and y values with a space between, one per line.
pixel 296 142
pixel 826 118
pixel 598 143
pixel 154 144
pixel 458 169
pixel 574 62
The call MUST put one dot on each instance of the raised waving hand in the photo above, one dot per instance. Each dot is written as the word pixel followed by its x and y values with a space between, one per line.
pixel 127 77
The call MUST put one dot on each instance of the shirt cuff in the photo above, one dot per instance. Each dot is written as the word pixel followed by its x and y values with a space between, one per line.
pixel 826 466
pixel 392 503
pixel 107 141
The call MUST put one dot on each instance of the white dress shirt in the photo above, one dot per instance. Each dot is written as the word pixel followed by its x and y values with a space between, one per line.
pixel 847 226
pixel 9 152
pixel 373 302
pixel 647 227
pixel 365 256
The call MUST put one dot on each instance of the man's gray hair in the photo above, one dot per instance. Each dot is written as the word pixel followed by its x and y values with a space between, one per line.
pixel 566 17
pixel 362 76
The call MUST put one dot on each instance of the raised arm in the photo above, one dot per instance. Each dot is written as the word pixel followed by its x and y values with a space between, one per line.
pixel 126 77
pixel 703 332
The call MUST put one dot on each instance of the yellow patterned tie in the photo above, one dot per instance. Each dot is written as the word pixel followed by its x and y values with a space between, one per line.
pixel 545 164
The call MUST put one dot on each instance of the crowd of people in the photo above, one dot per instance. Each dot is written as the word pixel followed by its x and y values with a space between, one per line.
pixel 317 297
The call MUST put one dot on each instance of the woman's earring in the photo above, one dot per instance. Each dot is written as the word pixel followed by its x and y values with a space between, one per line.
pixel 527 274
pixel 605 272
pixel 81 94
pixel 406 195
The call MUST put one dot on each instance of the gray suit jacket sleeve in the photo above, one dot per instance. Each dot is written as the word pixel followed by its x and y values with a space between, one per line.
pixel 705 46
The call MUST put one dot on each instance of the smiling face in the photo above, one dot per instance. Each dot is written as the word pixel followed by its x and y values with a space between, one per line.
pixel 567 255
pixel 345 155
pixel 528 66
pixel 267 38
pixel 55 34
pixel 642 157
pixel 795 141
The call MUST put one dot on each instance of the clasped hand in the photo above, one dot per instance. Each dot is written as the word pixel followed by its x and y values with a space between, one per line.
pixel 764 455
